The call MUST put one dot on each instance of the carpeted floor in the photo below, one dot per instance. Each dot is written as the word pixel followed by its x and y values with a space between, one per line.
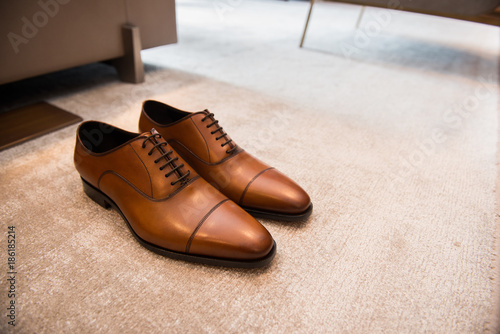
pixel 396 144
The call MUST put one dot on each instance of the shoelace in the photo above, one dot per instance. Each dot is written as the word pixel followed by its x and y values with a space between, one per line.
pixel 219 129
pixel 170 161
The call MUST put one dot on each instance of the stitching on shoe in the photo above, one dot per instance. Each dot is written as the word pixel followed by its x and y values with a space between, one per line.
pixel 146 168
pixel 188 245
pixel 94 154
pixel 202 136
pixel 200 159
pixel 140 192
pixel 249 183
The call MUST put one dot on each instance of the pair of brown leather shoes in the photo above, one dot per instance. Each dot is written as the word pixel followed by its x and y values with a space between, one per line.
pixel 185 189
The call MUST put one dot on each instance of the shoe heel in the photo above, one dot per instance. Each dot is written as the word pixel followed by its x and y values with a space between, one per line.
pixel 95 194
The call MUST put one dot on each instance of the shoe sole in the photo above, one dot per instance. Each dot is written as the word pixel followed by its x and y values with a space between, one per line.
pixel 280 216
pixel 103 200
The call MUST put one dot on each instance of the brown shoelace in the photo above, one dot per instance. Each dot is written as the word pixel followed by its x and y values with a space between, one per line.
pixel 220 130
pixel 169 161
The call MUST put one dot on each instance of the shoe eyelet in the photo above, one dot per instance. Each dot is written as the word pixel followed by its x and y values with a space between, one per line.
pixel 228 152
pixel 221 145
pixel 171 183
pixel 150 153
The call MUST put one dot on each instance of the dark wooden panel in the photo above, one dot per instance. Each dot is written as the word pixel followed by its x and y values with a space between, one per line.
pixel 29 122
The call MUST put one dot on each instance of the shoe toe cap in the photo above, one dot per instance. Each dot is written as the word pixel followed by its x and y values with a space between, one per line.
pixel 275 192
pixel 229 232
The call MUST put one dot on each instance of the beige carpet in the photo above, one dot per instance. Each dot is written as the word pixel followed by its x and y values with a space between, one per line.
pixel 398 157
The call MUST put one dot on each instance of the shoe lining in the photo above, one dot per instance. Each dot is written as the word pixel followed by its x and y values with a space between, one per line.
pixel 162 113
pixel 99 137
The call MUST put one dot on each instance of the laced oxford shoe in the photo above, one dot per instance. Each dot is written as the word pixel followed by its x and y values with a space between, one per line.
pixel 168 207
pixel 258 188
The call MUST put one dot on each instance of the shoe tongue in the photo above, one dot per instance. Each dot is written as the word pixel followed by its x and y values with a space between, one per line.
pixel 150 133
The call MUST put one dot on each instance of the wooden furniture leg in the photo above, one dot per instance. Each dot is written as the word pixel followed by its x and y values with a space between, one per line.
pixel 360 17
pixel 307 23
pixel 130 67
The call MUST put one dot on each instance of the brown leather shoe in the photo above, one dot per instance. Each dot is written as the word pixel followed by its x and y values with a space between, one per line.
pixel 168 207
pixel 258 188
